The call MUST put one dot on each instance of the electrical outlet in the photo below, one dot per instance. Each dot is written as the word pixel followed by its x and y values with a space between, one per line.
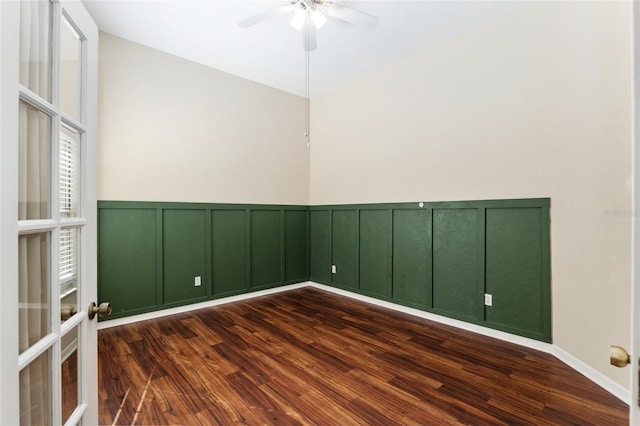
pixel 198 282
pixel 488 300
pixel 333 269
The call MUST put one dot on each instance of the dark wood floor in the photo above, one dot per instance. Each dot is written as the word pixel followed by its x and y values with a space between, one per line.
pixel 312 357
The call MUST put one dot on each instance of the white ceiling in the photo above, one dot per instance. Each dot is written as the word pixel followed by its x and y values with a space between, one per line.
pixel 271 52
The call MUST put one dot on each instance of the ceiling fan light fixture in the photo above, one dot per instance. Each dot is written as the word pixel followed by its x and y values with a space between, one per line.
pixel 298 20
pixel 318 19
pixel 316 11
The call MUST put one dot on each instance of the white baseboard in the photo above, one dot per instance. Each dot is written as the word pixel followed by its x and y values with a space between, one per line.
pixel 523 341
pixel 186 308
pixel 592 374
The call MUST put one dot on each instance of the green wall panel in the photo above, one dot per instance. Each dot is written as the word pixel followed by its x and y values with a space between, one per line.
pixel 296 249
pixel 320 246
pixel 515 270
pixel 229 250
pixel 127 258
pixel 266 248
pixel 412 257
pixel 345 247
pixel 440 257
pixel 150 252
pixel 375 252
pixel 184 254
pixel 457 286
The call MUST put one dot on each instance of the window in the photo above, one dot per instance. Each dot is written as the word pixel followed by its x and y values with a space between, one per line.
pixel 69 174
pixel 69 141
pixel 68 261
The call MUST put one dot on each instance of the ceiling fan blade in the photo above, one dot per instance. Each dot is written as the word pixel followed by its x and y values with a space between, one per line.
pixel 352 16
pixel 309 36
pixel 263 16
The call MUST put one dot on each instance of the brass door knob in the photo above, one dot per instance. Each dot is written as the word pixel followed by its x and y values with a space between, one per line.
pixel 67 311
pixel 104 310
pixel 619 356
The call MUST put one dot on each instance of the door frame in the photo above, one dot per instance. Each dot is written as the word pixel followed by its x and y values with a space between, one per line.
pixel 9 69
pixel 634 382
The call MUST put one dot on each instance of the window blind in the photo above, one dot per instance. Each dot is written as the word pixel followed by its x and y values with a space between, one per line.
pixel 67 254
pixel 69 168
pixel 68 174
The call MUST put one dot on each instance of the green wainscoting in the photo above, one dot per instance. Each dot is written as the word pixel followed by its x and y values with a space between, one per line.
pixel 344 238
pixel 128 261
pixel 266 248
pixel 149 254
pixel 375 252
pixel 296 249
pixel 457 266
pixel 442 257
pixel 412 266
pixel 229 251
pixel 320 246
pixel 515 248
pixel 184 255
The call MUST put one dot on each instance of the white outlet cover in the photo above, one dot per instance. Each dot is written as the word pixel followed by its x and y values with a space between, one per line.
pixel 198 281
pixel 333 269
pixel 488 300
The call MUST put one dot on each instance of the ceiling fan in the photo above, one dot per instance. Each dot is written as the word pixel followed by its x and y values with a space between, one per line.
pixel 307 12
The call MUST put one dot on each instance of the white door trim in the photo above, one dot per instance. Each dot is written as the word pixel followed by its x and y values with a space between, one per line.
pixel 9 66
pixel 634 410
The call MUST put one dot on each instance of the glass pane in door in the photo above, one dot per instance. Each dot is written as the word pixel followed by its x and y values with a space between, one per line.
pixel 68 269
pixel 34 182
pixel 69 171
pixel 35 398
pixel 34 283
pixel 35 46
pixel 70 71
pixel 69 373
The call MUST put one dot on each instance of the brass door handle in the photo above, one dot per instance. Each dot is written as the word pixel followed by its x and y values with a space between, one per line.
pixel 67 311
pixel 619 356
pixel 104 310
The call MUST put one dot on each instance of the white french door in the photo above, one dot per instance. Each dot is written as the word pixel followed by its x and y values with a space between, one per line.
pixel 48 91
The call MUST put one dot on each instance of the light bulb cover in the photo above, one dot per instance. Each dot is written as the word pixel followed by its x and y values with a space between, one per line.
pixel 318 19
pixel 298 20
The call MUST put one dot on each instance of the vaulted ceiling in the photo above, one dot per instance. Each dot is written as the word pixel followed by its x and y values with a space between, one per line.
pixel 271 52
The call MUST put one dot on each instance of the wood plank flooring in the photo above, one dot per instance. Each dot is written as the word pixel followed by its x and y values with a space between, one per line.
pixel 310 357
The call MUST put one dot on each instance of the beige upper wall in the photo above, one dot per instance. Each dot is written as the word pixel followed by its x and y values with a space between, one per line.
pixel 174 130
pixel 536 103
